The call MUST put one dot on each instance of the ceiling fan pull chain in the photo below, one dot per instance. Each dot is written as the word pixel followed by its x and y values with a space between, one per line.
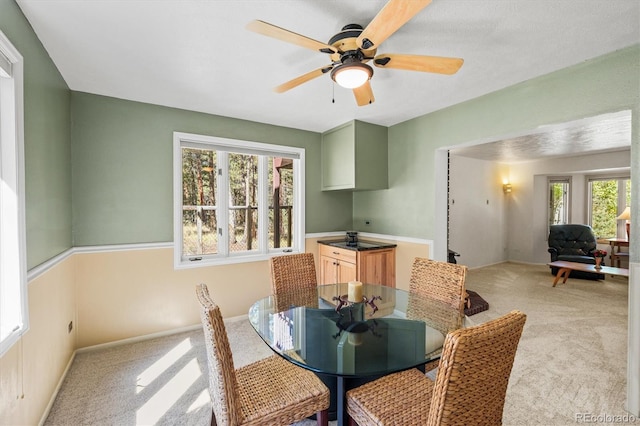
pixel 333 93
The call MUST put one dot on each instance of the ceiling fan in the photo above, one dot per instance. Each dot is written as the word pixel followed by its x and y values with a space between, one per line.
pixel 354 46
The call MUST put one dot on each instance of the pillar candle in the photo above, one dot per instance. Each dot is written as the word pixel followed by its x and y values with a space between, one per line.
pixel 354 338
pixel 355 291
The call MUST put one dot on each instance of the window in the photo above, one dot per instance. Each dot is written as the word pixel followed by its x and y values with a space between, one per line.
pixel 14 320
pixel 559 200
pixel 608 197
pixel 235 201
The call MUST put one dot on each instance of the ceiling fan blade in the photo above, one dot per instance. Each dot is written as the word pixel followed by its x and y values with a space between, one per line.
pixel 302 79
pixel 364 94
pixel 392 16
pixel 435 64
pixel 270 30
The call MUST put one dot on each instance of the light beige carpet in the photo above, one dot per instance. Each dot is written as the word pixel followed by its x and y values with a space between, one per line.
pixel 571 360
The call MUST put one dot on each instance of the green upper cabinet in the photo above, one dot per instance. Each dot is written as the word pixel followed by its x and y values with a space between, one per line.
pixel 354 157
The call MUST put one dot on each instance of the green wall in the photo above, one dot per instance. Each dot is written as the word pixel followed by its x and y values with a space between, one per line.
pixel 118 153
pixel 47 141
pixel 605 84
pixel 123 170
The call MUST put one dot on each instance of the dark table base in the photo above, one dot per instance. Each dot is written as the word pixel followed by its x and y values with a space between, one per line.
pixel 338 387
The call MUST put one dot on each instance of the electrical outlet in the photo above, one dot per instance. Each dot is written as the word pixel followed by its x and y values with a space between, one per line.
pixel 367 222
pixel 70 327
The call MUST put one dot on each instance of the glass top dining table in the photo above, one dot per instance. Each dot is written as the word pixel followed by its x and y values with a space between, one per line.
pixel 347 344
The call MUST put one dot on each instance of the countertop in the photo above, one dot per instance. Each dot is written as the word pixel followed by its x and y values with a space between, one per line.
pixel 361 245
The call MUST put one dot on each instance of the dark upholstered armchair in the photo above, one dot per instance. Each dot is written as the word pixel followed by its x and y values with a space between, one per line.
pixel 573 243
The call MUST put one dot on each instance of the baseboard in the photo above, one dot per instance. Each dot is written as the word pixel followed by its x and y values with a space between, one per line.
pixel 138 338
pixel 45 414
pixel 238 318
pixel 153 335
pixel 489 264
pixel 522 262
pixel 519 262
pixel 47 409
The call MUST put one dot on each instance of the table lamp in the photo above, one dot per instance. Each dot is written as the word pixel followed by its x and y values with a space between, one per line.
pixel 626 215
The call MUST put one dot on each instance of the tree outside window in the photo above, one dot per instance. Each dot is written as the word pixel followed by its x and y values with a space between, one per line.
pixel 559 201
pixel 199 224
pixel 608 198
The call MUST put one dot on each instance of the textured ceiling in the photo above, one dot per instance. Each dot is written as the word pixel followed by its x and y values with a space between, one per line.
pixel 197 55
pixel 607 132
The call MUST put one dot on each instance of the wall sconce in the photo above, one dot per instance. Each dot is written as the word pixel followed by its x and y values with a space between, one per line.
pixel 506 188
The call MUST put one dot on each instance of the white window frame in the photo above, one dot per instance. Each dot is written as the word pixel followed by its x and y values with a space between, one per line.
pixel 621 199
pixel 560 179
pixel 186 140
pixel 13 246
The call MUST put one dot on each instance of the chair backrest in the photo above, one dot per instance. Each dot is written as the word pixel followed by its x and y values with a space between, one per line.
pixel 572 239
pixel 441 281
pixel 294 281
pixel 435 313
pixel 474 371
pixel 223 385
pixel 292 273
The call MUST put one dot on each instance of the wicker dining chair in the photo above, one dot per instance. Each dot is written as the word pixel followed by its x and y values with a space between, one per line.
pixel 294 281
pixel 292 272
pixel 271 391
pixel 470 386
pixel 441 281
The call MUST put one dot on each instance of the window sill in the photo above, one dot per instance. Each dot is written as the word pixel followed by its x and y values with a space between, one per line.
pixel 231 260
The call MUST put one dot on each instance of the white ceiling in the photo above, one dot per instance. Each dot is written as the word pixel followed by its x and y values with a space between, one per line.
pixel 197 55
pixel 603 133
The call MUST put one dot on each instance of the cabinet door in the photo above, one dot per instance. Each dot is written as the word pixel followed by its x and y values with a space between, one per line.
pixel 354 156
pixel 378 267
pixel 328 270
pixel 346 271
pixel 371 159
pixel 338 158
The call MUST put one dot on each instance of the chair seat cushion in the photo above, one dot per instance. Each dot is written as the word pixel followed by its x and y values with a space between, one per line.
pixel 274 391
pixel 375 397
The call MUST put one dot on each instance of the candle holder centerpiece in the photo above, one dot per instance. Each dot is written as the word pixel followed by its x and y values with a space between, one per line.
pixel 355 298
pixel 351 307
pixel 343 302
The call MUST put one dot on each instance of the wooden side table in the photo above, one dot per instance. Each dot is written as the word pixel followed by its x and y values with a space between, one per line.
pixel 616 254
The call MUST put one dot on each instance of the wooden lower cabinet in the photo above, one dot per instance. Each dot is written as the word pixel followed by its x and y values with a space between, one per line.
pixel 333 270
pixel 377 267
pixel 339 265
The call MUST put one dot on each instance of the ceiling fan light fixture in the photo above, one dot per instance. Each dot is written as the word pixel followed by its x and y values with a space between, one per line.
pixel 351 75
